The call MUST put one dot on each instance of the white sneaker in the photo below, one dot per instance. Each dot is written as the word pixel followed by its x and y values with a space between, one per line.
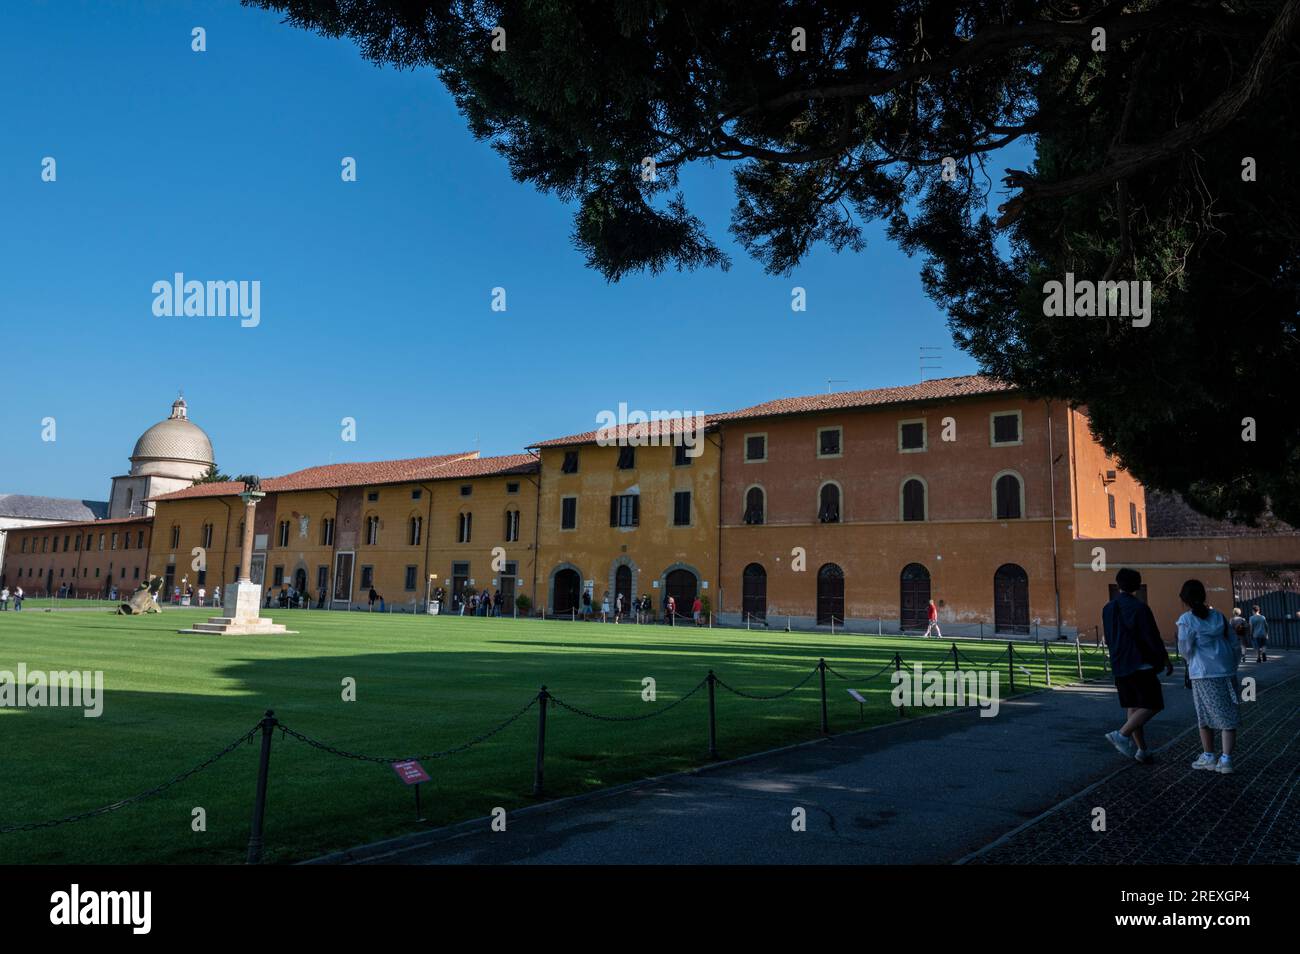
pixel 1225 765
pixel 1127 747
pixel 1206 762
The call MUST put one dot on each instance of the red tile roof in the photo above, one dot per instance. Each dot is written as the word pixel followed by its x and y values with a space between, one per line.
pixel 85 523
pixel 332 476
pixel 642 432
pixel 940 389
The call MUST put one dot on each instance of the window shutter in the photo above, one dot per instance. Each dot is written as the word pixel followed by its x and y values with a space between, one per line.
pixel 636 510
pixel 613 511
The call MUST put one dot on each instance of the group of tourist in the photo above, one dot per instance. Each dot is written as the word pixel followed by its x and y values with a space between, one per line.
pixel 640 610
pixel 1213 648
pixel 479 604
pixel 17 596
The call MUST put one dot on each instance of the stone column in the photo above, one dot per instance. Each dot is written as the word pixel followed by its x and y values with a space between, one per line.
pixel 250 498
pixel 243 601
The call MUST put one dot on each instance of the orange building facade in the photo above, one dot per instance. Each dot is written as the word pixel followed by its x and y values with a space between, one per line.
pixel 79 560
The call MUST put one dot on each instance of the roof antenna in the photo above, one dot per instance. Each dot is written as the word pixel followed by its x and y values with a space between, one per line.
pixel 929 357
pixel 830 381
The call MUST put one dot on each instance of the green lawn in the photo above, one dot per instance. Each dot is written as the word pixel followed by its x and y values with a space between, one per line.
pixel 423 684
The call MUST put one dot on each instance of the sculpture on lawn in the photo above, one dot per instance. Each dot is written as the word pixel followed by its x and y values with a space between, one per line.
pixel 143 600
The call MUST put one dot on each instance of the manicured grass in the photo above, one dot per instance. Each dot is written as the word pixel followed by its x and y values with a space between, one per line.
pixel 422 685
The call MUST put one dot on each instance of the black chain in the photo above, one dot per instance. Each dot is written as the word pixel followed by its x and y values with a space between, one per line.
pixel 387 760
pixel 861 678
pixel 629 718
pixel 157 789
pixel 779 695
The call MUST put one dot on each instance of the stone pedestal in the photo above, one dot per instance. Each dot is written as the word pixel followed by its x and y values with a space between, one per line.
pixel 242 604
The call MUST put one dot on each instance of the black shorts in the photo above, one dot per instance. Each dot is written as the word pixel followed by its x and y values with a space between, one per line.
pixel 1140 690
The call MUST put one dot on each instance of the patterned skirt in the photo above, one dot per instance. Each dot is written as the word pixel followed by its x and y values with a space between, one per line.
pixel 1216 702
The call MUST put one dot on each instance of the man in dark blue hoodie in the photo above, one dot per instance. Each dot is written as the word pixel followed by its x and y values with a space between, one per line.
pixel 1137 654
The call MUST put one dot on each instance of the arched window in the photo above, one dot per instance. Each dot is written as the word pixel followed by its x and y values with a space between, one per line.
pixel 912 499
pixel 512 526
pixel 416 530
pixel 1008 496
pixel 830 594
pixel 755 505
pixel 828 507
pixel 372 531
pixel 464 527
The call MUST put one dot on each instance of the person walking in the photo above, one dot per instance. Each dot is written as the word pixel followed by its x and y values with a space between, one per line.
pixel 1137 653
pixel 203 595
pixel 4 599
pixel 671 611
pixel 586 605
pixel 1241 627
pixel 1259 634
pixel 216 596
pixel 374 597
pixel 604 607
pixel 18 599
pixel 1211 653
pixel 618 608
pixel 697 611
pixel 932 617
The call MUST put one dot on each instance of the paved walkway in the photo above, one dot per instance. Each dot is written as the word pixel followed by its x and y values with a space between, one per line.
pixel 932 789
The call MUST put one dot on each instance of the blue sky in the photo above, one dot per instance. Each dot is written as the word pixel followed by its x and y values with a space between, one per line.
pixel 375 295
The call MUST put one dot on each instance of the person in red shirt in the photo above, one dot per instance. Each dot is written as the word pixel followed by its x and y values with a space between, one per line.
pixel 932 614
pixel 697 610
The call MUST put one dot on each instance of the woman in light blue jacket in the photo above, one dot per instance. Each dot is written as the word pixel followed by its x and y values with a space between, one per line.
pixel 1210 649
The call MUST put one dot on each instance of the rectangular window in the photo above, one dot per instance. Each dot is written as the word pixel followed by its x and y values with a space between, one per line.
pixel 1133 518
pixel 911 436
pixel 66 540
pixel 126 541
pixel 203 576
pixel 101 538
pixel 56 545
pixel 45 544
pixel 625 510
pixel 139 539
pixel 1110 506
pixel 415 494
pixel 137 574
pixel 570 465
pixel 466 489
pixel 24 544
pixel 322 580
pixel 76 544
pixel 367 577
pixel 568 513
pixel 682 508
pixel 278 577
pixel 755 447
pixel 680 457
pixel 828 441
pixel 512 487
pixel 410 577
pixel 1005 428
pixel 626 458
pixel 113 546
pixel 373 496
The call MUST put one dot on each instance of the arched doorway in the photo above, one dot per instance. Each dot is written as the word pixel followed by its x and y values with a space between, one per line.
pixel 914 598
pixel 568 591
pixel 623 586
pixel 680 585
pixel 754 592
pixel 830 594
pixel 1011 599
pixel 300 580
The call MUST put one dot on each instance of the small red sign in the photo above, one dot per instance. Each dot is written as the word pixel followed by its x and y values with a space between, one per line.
pixel 411 772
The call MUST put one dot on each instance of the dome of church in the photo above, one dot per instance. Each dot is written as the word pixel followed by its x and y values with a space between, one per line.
pixel 175 439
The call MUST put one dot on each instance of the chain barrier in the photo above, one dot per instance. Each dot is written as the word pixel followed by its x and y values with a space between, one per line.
pixel 386 760
pixel 157 789
pixel 755 696
pixel 629 718
pixel 887 665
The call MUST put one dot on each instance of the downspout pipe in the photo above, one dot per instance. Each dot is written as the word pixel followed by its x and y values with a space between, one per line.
pixel 1051 480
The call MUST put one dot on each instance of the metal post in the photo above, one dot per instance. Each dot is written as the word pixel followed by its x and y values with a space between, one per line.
pixel 1047 663
pixel 956 663
pixel 880 626
pixel 1011 665
pixel 713 718
pixel 259 802
pixel 898 664
pixel 542 696
pixel 821 668
pixel 1078 657
pixel 747 615
pixel 981 630
pixel 787 624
